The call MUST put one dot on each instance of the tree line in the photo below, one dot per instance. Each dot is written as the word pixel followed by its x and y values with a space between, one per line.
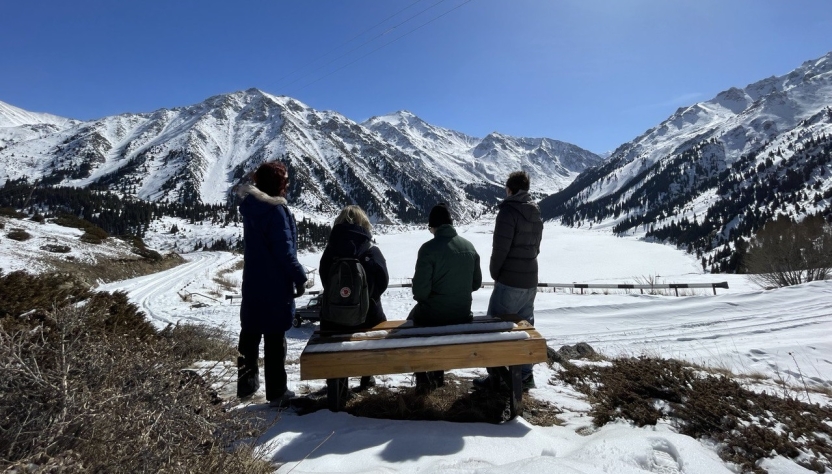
pixel 125 216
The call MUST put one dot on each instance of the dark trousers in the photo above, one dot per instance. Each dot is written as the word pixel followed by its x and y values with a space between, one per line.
pixel 426 381
pixel 274 360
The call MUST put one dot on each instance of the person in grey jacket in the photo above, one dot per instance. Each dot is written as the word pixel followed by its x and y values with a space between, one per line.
pixel 513 266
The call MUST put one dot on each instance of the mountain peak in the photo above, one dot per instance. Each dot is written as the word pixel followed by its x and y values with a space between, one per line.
pixel 11 116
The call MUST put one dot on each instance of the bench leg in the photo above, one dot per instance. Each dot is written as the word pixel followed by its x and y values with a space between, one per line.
pixel 513 377
pixel 336 393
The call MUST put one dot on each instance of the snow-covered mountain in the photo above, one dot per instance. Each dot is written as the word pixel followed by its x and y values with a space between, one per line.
pixel 717 170
pixel 396 167
pixel 552 164
pixel 19 126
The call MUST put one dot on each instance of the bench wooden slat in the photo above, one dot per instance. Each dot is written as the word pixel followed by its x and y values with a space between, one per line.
pixel 396 323
pixel 326 365
pixel 395 333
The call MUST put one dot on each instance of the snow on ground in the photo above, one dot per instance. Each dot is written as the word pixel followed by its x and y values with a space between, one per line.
pixel 783 334
pixel 31 254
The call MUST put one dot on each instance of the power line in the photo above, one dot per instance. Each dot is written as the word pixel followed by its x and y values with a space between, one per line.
pixel 354 38
pixel 385 44
pixel 364 43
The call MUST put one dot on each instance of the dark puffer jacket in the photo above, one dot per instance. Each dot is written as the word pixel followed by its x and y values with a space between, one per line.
pixel 345 241
pixel 447 272
pixel 517 236
pixel 271 268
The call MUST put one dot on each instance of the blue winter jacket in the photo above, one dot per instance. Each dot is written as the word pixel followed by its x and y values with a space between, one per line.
pixel 271 268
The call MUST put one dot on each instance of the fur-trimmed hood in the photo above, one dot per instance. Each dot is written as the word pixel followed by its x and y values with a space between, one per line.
pixel 247 189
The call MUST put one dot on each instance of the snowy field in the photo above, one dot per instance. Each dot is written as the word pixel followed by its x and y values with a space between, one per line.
pixel 782 334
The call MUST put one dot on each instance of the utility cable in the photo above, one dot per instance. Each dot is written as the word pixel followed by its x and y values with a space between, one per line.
pixel 384 45
pixel 362 44
pixel 346 43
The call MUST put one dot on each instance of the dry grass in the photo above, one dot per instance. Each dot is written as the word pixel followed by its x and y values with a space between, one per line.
pixel 453 402
pixel 90 386
pixel 113 270
pixel 747 426
pixel 227 283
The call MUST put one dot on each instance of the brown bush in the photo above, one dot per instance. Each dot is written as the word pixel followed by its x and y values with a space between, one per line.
pixel 68 220
pixel 453 402
pixel 194 342
pixel 785 253
pixel 747 425
pixel 11 212
pixel 55 248
pixel 19 235
pixel 89 386
pixel 92 233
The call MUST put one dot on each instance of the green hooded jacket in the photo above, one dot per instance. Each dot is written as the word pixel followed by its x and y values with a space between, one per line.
pixel 447 272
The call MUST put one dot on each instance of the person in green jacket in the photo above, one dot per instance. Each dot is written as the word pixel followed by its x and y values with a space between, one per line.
pixel 447 272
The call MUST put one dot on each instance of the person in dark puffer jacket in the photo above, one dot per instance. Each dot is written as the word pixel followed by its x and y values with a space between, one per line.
pixel 351 236
pixel 516 244
pixel 272 279
pixel 447 272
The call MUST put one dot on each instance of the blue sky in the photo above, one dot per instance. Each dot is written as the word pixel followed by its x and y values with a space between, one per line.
pixel 590 72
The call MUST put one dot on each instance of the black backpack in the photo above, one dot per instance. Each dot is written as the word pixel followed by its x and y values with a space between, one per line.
pixel 347 298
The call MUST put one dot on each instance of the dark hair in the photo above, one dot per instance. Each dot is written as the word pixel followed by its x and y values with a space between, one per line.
pixel 440 215
pixel 271 178
pixel 517 181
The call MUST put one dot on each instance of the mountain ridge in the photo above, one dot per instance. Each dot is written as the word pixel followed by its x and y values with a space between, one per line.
pixel 695 166
pixel 396 171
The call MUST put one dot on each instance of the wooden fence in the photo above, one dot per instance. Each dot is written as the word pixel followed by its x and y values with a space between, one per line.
pixel 582 286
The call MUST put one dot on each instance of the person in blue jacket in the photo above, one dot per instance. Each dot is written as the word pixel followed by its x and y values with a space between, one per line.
pixel 272 279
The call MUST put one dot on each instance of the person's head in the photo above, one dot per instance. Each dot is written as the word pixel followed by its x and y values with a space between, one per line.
pixel 354 215
pixel 517 181
pixel 272 178
pixel 439 215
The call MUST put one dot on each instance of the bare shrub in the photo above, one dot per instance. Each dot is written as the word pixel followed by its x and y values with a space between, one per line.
pixel 141 249
pixel 785 253
pixel 748 426
pixel 19 235
pixel 92 233
pixel 91 238
pixel 651 281
pixel 453 402
pixel 193 342
pixel 11 212
pixel 90 386
pixel 56 248
pixel 68 220
pixel 227 283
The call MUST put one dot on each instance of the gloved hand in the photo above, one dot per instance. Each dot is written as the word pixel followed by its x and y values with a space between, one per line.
pixel 299 290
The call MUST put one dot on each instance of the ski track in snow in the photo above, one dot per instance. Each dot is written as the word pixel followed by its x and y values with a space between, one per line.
pixel 154 293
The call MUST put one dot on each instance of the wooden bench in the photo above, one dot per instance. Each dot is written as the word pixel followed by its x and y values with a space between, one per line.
pixel 395 347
